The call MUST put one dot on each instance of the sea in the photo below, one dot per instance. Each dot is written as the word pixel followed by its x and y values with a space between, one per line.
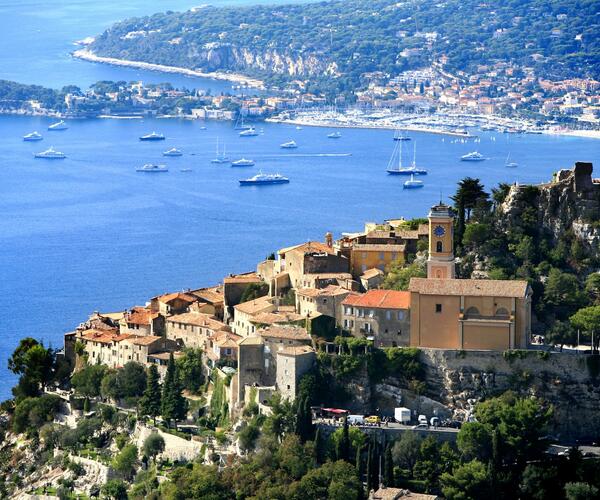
pixel 89 233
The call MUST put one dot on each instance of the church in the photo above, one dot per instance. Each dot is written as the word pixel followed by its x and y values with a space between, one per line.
pixel 464 314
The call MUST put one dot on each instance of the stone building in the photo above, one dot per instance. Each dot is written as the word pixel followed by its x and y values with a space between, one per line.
pixel 326 301
pixel 172 303
pixel 464 314
pixel 381 315
pixel 142 321
pixel 191 329
pixel 234 287
pixel 292 363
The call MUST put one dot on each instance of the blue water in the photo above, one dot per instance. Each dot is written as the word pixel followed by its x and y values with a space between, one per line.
pixel 89 233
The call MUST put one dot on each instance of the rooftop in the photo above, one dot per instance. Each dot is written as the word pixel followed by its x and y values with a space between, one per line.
pixel 378 247
pixel 309 247
pixel 104 336
pixel 372 273
pixel 285 332
pixel 140 316
pixel 470 288
pixel 242 278
pixel 213 295
pixel 144 340
pixel 384 299
pixel 262 304
pixel 168 297
pixel 299 350
pixel 270 318
pixel 328 291
pixel 198 319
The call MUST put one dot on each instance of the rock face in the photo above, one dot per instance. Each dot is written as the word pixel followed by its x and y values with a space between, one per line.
pixel 570 382
pixel 571 202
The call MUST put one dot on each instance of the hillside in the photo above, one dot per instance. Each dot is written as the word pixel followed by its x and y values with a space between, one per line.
pixel 331 44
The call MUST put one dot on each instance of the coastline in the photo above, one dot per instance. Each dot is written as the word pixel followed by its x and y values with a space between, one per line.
pixel 88 55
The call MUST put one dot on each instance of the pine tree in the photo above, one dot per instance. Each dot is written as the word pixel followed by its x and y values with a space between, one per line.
pixel 173 404
pixel 388 467
pixel 150 401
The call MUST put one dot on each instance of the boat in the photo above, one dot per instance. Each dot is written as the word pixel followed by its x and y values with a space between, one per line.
pixel 249 132
pixel 289 145
pixel 413 183
pixel 261 179
pixel 473 156
pixel 152 168
pixel 400 136
pixel 60 125
pixel 51 154
pixel 185 169
pixel 152 137
pixel 242 162
pixel 334 135
pixel 298 127
pixel 33 136
pixel 173 152
pixel 239 123
pixel 220 157
pixel 400 170
pixel 510 164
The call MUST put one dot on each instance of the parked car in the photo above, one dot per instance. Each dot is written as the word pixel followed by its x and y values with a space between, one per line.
pixel 422 419
pixel 356 419
pixel 420 426
pixel 434 421
pixel 373 419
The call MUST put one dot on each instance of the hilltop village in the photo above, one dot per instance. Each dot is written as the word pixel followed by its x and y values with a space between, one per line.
pixel 369 349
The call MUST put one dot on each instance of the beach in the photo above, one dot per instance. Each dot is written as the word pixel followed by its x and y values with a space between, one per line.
pixel 88 55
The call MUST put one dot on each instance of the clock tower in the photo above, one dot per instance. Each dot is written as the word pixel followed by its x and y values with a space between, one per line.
pixel 440 263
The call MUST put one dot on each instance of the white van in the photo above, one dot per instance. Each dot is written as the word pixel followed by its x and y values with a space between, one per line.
pixel 356 419
pixel 423 420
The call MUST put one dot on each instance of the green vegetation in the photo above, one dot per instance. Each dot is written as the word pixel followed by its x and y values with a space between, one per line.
pixel 345 39
pixel 190 370
pixel 173 405
pixel 398 276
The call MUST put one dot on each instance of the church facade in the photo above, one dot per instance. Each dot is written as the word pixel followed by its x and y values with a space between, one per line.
pixel 464 314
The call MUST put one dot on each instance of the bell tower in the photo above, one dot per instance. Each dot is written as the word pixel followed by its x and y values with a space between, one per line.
pixel 440 263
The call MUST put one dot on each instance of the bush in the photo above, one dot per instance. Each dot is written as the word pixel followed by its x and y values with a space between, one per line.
pixel 31 413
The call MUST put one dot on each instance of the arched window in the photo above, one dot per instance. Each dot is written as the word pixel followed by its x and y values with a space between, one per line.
pixel 472 312
pixel 439 247
pixel 501 311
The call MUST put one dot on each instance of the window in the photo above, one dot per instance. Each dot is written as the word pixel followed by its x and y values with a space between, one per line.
pixel 439 247
pixel 400 315
pixel 472 311
pixel 371 313
pixel 438 308
pixel 346 324
pixel 388 315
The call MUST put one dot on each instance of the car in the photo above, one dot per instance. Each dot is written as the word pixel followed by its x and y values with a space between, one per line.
pixel 356 419
pixel 422 419
pixel 420 426
pixel 373 419
pixel 434 421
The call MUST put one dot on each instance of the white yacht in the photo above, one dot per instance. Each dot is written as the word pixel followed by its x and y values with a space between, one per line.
pixel 152 137
pixel 289 145
pixel 334 135
pixel 473 156
pixel 173 152
pixel 51 154
pixel 250 132
pixel 242 162
pixel 60 125
pixel 33 136
pixel 413 183
pixel 261 179
pixel 510 164
pixel 400 136
pixel 220 157
pixel 151 168
pixel 400 170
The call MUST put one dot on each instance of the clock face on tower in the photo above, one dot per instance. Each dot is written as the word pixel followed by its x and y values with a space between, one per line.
pixel 439 231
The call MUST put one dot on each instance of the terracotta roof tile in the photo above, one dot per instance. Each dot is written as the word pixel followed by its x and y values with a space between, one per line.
pixel 143 340
pixel 242 278
pixel 328 291
pixel 384 299
pixel 470 288
pixel 296 350
pixel 309 247
pixel 285 332
pixel 262 304
pixel 378 247
pixel 271 318
pixel 178 295
pixel 371 273
pixel 141 316
pixel 198 319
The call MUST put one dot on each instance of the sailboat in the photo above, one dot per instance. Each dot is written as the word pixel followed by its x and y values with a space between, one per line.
pixel 220 157
pixel 510 164
pixel 400 136
pixel 400 170
pixel 239 124
pixel 413 183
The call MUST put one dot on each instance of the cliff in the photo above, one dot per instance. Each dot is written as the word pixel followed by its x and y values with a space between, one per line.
pixel 570 203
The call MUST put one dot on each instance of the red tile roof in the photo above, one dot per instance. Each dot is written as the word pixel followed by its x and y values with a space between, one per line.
pixel 141 316
pixel 178 295
pixel 384 299
pixel 469 288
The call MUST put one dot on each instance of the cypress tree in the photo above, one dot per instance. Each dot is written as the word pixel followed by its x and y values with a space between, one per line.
pixel 150 400
pixel 358 461
pixel 345 443
pixel 319 446
pixel 388 467
pixel 369 471
pixel 173 404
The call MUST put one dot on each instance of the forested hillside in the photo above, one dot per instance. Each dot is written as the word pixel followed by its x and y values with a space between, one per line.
pixel 338 41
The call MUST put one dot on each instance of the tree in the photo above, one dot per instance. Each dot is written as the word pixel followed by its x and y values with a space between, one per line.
pixel 561 333
pixel 587 320
pixel 562 294
pixel 87 382
pixel 469 192
pixel 304 426
pixel 343 452
pixel 173 404
pixel 190 370
pixel 154 444
pixel 388 467
pixel 114 489
pixel 31 413
pixel 34 363
pixel 580 491
pixel 398 277
pixel 149 404
pixel 476 234
pixel 282 420
pixel 355 437
pixel 406 451
pixel 469 481
pixel 592 287
pixel 124 463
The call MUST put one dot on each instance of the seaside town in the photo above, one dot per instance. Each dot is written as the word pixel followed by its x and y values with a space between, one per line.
pixel 501 96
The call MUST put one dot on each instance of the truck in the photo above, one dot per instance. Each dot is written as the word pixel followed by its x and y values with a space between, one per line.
pixel 402 415
pixel 356 419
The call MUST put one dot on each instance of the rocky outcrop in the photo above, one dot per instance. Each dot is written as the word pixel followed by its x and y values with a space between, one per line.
pixel 571 202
